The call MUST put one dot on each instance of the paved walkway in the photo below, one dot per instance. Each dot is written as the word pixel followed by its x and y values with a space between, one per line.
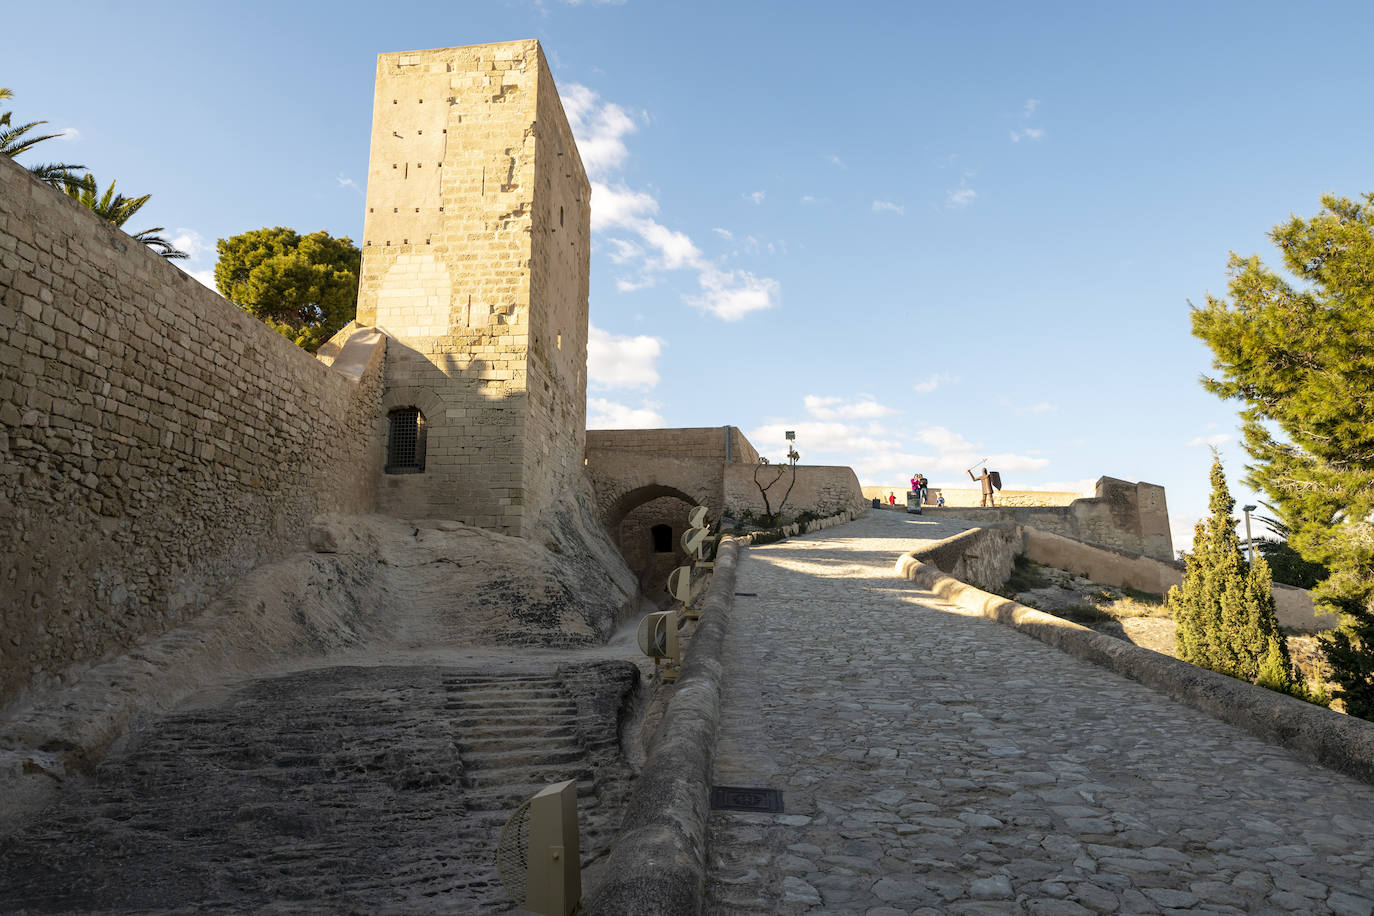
pixel 932 761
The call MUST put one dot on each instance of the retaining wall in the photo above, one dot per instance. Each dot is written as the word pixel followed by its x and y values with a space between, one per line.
pixel 156 441
pixel 1292 606
pixel 821 489
pixel 1123 515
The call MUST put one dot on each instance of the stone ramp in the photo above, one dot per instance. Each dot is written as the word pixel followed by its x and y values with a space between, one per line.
pixel 935 762
pixel 344 789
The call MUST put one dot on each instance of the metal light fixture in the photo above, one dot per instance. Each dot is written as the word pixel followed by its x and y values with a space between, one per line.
pixel 1249 544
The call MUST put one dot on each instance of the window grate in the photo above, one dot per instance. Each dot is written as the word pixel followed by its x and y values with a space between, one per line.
pixel 405 441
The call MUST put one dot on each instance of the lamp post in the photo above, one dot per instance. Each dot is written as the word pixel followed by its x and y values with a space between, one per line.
pixel 1249 544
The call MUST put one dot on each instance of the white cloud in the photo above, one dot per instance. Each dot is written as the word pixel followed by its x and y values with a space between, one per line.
pixel 622 361
pixel 1029 108
pixel 935 381
pixel 600 128
pixel 724 233
pixel 193 243
pixel 1030 133
pixel 880 205
pixel 604 414
pixel 626 285
pixel 756 197
pixel 730 295
pixel 1213 440
pixel 836 409
pixel 206 278
pixel 68 134
pixel 961 197
pixel 880 451
pixel 808 199
pixel 348 183
pixel 1043 407
pixel 623 251
pixel 619 207
pixel 836 160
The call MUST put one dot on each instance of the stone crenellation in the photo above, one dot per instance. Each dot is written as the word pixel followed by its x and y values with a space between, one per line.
pixel 156 442
pixel 476 264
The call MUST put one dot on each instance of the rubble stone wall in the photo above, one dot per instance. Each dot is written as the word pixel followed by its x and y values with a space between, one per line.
pixel 155 440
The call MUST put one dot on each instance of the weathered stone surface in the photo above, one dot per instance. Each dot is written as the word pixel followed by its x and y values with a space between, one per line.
pixel 861 694
pixel 156 441
pixel 359 789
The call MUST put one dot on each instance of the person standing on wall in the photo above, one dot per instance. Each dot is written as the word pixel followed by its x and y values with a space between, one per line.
pixel 986 480
pixel 925 489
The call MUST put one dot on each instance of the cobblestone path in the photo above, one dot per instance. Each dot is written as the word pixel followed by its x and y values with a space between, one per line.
pixel 932 761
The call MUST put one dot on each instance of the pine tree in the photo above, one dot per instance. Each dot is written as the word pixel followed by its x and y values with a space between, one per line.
pixel 1301 359
pixel 1224 612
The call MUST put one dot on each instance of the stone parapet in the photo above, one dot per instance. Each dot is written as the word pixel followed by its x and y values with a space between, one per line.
pixel 156 441
pixel 1314 733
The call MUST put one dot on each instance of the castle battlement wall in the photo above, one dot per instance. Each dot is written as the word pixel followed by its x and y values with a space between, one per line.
pixel 156 441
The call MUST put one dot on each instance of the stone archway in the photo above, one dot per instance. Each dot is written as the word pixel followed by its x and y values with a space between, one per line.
pixel 646 518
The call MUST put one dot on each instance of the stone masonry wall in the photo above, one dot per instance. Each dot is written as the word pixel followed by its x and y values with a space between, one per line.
pixel 560 271
pixel 1124 516
pixel 155 441
pixel 822 489
pixel 635 537
pixel 684 442
pixel 475 263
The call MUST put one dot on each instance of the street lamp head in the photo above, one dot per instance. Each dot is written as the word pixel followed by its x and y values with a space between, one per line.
pixel 1248 508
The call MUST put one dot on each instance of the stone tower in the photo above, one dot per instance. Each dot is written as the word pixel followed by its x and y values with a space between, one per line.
pixel 475 263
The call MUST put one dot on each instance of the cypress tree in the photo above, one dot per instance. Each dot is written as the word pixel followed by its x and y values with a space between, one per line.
pixel 1224 611
pixel 1300 356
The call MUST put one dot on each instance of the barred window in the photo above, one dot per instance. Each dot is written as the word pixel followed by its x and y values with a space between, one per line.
pixel 663 538
pixel 405 441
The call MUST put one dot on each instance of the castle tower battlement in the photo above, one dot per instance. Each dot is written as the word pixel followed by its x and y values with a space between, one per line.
pixel 476 250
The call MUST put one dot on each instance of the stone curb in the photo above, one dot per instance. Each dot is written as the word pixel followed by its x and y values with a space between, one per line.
pixel 658 861
pixel 1316 734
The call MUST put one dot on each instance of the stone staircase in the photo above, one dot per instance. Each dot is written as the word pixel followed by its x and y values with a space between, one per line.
pixel 347 789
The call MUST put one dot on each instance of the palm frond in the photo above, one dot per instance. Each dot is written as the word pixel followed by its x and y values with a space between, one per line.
pixel 159 244
pixel 60 175
pixel 13 142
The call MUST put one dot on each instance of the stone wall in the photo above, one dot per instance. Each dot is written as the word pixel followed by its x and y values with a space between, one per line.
pixel 723 443
pixel 962 497
pixel 637 543
pixel 1123 515
pixel 982 557
pixel 1292 606
pixel 820 489
pixel 475 262
pixel 156 442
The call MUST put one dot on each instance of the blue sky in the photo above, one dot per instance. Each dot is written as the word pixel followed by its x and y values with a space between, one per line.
pixel 917 234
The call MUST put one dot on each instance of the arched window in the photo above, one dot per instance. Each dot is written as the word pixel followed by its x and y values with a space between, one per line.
pixel 405 441
pixel 663 538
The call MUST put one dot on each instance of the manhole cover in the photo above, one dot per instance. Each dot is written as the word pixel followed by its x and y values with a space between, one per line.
pixel 732 798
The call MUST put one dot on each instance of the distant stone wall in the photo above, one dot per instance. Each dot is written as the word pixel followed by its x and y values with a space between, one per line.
pixel 820 489
pixel 963 497
pixel 684 442
pixel 1292 606
pixel 156 442
pixel 1123 515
